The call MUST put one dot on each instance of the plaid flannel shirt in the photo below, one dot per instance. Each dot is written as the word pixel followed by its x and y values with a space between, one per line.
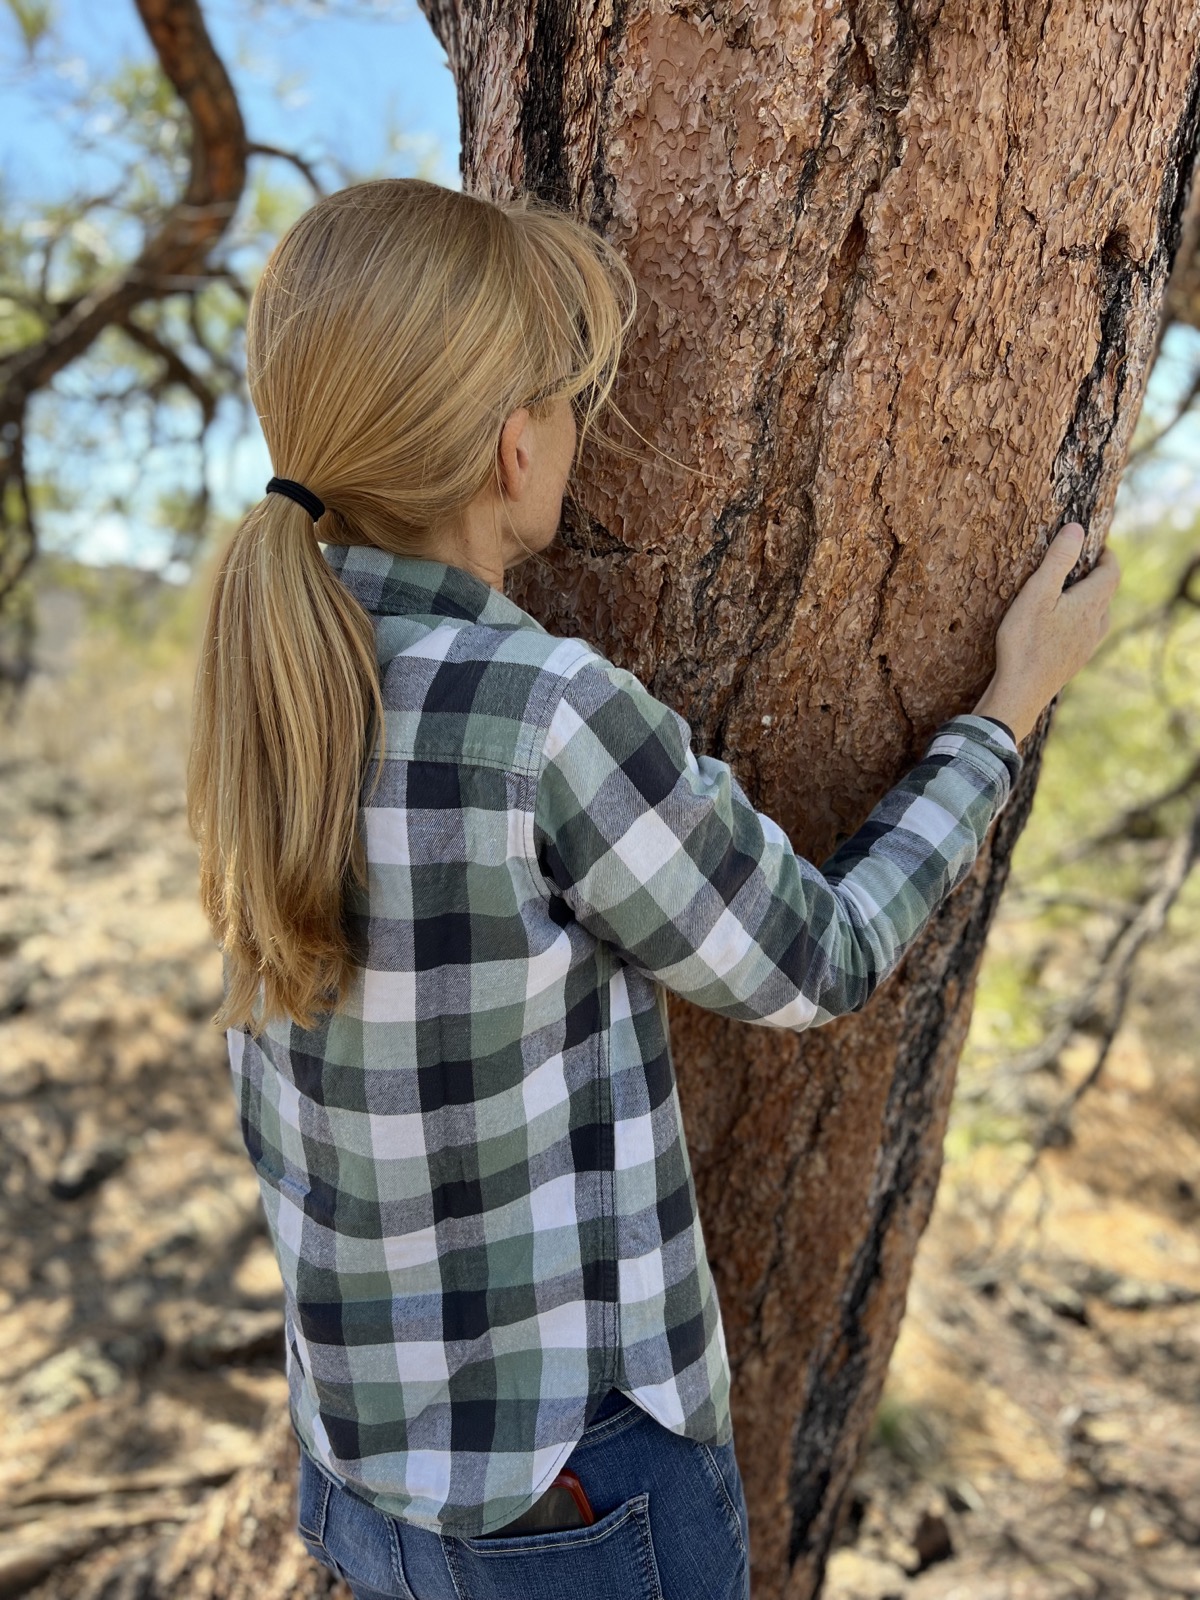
pixel 474 1170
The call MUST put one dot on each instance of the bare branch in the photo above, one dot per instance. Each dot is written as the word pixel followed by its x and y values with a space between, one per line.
pixel 1181 412
pixel 20 542
pixel 1157 614
pixel 1050 900
pixel 176 255
pixel 1115 968
pixel 1134 823
pixel 302 166
pixel 176 368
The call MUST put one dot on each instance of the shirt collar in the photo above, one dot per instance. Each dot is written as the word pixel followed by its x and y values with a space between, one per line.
pixel 388 585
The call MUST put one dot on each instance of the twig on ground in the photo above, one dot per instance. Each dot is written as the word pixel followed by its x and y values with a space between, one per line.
pixel 1139 924
pixel 1115 968
pixel 1134 823
pixel 68 1490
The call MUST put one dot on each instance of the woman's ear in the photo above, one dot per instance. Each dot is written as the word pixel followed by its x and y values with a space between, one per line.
pixel 514 454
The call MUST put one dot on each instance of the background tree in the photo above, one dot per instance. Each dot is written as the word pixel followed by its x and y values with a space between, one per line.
pixel 64 297
pixel 122 302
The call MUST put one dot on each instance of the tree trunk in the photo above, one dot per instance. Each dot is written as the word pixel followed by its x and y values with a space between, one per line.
pixel 901 268
pixel 1181 302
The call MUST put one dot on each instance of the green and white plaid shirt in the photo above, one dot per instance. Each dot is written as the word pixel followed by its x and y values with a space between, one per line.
pixel 474 1171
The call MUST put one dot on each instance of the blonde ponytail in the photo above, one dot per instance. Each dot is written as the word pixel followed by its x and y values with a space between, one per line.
pixel 396 326
pixel 287 698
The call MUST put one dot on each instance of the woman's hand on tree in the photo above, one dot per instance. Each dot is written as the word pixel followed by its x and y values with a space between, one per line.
pixel 1048 633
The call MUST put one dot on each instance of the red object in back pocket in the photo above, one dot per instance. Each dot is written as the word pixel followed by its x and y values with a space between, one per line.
pixel 563 1505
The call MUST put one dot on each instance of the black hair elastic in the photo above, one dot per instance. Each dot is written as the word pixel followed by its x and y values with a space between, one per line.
pixel 297 492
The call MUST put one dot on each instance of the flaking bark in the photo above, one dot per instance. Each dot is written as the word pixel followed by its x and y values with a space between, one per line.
pixel 901 272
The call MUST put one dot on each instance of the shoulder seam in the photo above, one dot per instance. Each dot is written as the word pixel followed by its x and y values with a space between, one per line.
pixel 532 775
pixel 558 678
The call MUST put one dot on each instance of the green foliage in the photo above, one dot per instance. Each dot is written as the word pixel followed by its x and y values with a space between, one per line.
pixel 1127 728
pixel 35 18
pixel 1007 1018
pixel 1125 731
pixel 909 1433
pixel 976 1124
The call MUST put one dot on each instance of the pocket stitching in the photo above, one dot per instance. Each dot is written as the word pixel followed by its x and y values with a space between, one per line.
pixel 510 1547
pixel 733 1512
pixel 650 1570
pixel 324 1485
pixel 403 1587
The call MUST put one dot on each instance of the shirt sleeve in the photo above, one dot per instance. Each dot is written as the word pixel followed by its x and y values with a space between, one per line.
pixel 999 724
pixel 659 852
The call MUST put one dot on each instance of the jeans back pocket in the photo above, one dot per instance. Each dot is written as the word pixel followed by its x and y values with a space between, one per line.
pixel 613 1556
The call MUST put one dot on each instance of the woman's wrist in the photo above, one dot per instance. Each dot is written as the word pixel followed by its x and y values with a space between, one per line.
pixel 1004 707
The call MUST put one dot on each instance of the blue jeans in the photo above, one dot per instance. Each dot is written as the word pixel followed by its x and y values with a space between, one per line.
pixel 670 1525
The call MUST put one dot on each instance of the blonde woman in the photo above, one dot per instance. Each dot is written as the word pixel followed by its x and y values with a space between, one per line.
pixel 453 861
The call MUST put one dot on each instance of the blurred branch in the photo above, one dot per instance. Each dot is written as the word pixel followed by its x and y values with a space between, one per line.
pixel 178 253
pixel 220 359
pixel 1117 961
pixel 1138 822
pixel 1116 972
pixel 1039 900
pixel 1146 925
pixel 1182 410
pixel 1115 969
pixel 1152 616
pixel 296 161
pixel 20 543
pixel 80 208
pixel 1182 593
pixel 175 369
pixel 175 257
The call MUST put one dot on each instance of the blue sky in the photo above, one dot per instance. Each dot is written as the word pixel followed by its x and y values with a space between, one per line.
pixel 353 74
pixel 365 82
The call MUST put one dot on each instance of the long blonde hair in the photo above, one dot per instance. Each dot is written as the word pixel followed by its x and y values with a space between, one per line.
pixel 396 326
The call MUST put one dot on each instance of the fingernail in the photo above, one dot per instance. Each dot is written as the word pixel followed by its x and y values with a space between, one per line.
pixel 1075 529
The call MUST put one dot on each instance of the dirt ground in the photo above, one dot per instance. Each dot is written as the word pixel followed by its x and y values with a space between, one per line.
pixel 1040 1434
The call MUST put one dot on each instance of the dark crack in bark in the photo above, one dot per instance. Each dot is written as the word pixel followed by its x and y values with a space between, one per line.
pixel 890 72
pixel 542 126
pixel 837 1381
pixel 1081 464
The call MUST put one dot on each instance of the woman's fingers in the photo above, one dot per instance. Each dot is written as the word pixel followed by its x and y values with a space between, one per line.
pixel 1061 555
pixel 1099 585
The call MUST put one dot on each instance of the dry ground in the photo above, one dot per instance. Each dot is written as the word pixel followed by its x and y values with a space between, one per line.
pixel 1039 1437
pixel 1041 1424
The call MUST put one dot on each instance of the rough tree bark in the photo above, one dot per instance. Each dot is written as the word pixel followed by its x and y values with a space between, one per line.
pixel 901 269
pixel 1182 300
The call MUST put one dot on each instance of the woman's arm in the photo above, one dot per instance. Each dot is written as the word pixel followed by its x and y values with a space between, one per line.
pixel 661 854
